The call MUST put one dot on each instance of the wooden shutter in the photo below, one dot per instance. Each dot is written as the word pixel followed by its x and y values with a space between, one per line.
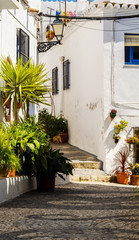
pixel 55 81
pixel 66 74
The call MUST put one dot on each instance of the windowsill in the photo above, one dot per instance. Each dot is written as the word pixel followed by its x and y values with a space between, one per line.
pixel 131 66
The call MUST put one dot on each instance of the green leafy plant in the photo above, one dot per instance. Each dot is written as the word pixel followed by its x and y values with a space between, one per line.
pixel 52 125
pixel 24 83
pixel 134 168
pixel 50 162
pixel 116 137
pixel 27 138
pixel 120 126
pixel 8 159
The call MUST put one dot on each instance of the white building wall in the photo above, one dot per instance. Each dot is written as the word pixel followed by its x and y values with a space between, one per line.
pixel 121 87
pixel 82 104
pixel 11 20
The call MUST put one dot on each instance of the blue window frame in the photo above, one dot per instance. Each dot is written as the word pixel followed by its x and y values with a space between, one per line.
pixel 132 55
pixel 132 49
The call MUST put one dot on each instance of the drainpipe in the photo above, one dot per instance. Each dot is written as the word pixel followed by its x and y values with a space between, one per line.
pixel 112 67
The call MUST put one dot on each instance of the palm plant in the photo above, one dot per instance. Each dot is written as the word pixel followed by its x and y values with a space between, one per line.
pixel 24 83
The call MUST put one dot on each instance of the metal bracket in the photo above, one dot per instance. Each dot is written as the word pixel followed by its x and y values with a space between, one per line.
pixel 45 46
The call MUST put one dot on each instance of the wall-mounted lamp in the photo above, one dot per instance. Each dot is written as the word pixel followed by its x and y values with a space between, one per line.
pixel 58 28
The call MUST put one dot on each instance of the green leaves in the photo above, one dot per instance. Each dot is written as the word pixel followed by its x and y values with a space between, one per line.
pixel 24 82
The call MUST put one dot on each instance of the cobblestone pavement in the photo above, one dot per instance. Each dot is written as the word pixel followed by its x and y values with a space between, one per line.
pixel 73 211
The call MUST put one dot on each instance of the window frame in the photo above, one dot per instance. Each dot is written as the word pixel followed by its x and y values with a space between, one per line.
pixel 132 61
pixel 20 32
pixel 55 81
pixel 66 74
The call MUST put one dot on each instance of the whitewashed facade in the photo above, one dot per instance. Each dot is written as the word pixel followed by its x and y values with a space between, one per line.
pixel 15 15
pixel 100 80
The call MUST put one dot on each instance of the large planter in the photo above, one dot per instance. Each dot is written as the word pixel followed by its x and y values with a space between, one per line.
pixel 135 180
pixel 123 177
pixel 64 137
pixel 46 183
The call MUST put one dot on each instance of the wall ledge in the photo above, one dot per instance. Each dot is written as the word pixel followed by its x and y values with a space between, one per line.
pixel 15 186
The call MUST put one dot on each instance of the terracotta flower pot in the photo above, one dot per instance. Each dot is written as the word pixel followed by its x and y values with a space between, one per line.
pixel 123 177
pixel 46 183
pixel 18 105
pixel 8 103
pixel 135 180
pixel 64 137
pixel 12 173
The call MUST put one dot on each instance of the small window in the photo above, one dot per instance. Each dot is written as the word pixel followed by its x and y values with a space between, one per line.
pixel 22 45
pixel 66 74
pixel 131 49
pixel 55 81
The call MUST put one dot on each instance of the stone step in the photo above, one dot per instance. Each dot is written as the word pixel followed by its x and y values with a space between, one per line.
pixel 79 158
pixel 86 164
pixel 90 175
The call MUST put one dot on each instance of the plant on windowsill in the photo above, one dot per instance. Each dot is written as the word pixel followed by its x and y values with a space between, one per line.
pixel 122 170
pixel 113 114
pixel 132 140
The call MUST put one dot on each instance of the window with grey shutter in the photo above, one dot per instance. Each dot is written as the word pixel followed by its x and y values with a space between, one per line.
pixel 66 74
pixel 55 80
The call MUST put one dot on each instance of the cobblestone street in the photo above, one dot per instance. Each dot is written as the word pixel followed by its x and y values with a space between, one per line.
pixel 73 211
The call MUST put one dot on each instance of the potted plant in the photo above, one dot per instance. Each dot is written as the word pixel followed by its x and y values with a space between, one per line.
pixel 49 163
pixel 116 138
pixel 120 126
pixel 26 139
pixel 135 173
pixel 55 127
pixel 49 33
pixel 132 140
pixel 62 128
pixel 122 169
pixel 113 114
pixel 9 161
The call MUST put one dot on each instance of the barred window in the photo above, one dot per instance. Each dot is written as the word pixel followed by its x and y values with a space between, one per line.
pixel 66 74
pixel 55 80
pixel 22 45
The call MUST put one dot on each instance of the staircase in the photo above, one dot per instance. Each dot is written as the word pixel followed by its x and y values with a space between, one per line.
pixel 87 168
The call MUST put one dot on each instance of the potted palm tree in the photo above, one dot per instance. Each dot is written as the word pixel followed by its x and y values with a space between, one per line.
pixel 24 83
